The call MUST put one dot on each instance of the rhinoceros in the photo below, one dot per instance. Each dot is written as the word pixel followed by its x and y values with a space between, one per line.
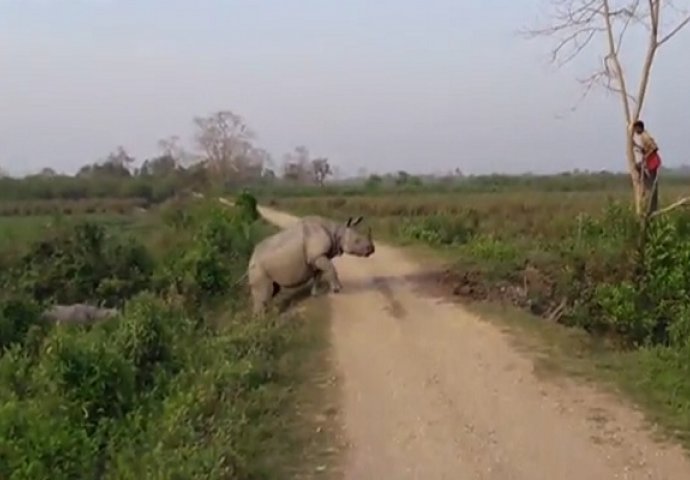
pixel 302 253
pixel 78 313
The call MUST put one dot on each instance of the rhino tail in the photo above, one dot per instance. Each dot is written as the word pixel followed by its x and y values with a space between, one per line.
pixel 241 279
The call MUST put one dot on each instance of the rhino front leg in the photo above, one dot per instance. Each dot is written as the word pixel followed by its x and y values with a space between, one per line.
pixel 327 270
pixel 315 283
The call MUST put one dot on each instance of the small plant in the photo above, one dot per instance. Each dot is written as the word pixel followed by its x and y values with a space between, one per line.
pixel 439 229
pixel 247 205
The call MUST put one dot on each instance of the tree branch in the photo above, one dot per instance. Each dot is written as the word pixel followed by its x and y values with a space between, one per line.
pixel 613 56
pixel 680 203
pixel 649 57
pixel 631 15
pixel 677 29
pixel 576 44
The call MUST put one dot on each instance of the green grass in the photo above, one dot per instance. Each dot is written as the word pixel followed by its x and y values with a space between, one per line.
pixel 19 229
pixel 15 230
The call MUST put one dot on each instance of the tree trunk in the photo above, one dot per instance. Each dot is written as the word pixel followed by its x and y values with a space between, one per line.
pixel 636 179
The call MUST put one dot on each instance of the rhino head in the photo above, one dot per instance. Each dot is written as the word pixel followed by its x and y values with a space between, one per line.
pixel 354 242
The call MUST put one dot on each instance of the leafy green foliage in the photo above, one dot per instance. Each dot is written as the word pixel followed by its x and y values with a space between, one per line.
pixel 18 317
pixel 79 264
pixel 247 204
pixel 440 230
pixel 165 390
pixel 214 257
pixel 654 307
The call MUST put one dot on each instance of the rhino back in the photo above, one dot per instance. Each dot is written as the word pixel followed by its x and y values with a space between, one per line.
pixel 282 257
pixel 78 313
pixel 320 238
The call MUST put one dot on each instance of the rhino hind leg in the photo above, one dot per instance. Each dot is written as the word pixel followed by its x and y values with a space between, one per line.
pixel 262 292
pixel 263 289
pixel 326 269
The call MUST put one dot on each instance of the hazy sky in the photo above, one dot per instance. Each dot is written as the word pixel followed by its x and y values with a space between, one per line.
pixel 421 85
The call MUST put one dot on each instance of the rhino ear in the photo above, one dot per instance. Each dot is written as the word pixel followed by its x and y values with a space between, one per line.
pixel 355 222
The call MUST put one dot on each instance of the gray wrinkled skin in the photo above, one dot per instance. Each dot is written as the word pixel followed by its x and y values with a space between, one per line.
pixel 78 313
pixel 302 253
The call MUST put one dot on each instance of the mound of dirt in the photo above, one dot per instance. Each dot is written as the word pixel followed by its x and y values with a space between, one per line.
pixel 536 292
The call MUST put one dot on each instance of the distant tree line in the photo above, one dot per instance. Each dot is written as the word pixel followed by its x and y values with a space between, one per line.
pixel 224 156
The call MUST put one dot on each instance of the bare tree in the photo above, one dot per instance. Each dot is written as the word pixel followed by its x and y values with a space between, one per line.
pixel 225 140
pixel 170 147
pixel 297 166
pixel 161 166
pixel 116 165
pixel 120 158
pixel 577 24
pixel 251 165
pixel 337 172
pixel 293 172
pixel 261 157
pixel 321 169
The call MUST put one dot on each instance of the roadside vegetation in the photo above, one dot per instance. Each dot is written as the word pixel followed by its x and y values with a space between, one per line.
pixel 182 384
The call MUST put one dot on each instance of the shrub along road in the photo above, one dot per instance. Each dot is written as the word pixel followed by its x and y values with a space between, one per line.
pixel 432 391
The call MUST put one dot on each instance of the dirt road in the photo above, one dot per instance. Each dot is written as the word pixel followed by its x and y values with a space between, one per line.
pixel 432 392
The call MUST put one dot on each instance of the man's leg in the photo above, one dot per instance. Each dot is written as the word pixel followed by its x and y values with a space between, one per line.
pixel 652 190
pixel 655 193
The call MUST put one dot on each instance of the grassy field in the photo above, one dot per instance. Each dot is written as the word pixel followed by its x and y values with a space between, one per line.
pixel 567 269
pixel 22 229
pixel 183 383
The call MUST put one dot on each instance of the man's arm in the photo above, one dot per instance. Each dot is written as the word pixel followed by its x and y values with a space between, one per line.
pixel 648 144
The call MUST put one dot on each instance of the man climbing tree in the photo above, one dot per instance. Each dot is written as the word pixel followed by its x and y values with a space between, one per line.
pixel 649 165
pixel 599 28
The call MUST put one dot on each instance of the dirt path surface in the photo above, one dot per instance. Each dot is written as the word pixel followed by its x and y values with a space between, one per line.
pixel 432 392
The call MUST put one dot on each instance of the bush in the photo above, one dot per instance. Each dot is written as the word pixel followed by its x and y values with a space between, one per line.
pixel 170 388
pixel 213 259
pixel 247 204
pixel 440 229
pixel 18 317
pixel 91 376
pixel 37 440
pixel 654 307
pixel 80 265
pixel 149 335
